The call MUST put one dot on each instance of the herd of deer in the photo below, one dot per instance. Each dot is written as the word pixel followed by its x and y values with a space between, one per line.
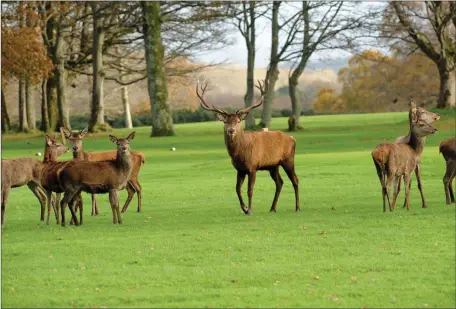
pixel 112 171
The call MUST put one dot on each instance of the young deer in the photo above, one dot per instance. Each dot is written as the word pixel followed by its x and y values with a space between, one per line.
pixel 19 172
pixel 415 114
pixel 49 175
pixel 448 150
pixel 394 161
pixel 98 177
pixel 137 159
pixel 252 151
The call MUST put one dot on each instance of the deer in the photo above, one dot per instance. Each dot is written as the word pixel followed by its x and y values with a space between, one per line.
pixel 49 176
pixel 138 159
pixel 415 114
pixel 253 151
pixel 109 176
pixel 394 161
pixel 448 150
pixel 19 172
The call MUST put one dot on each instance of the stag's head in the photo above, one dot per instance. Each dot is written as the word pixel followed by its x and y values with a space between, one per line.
pixel 232 121
pixel 75 138
pixel 53 147
pixel 123 144
pixel 422 128
pixel 419 113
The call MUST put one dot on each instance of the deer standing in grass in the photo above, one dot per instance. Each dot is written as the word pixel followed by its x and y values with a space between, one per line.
pixel 394 161
pixel 109 176
pixel 417 114
pixel 252 151
pixel 137 159
pixel 448 150
pixel 49 176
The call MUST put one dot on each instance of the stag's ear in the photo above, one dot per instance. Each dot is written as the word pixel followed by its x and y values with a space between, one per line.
pixel 84 131
pixel 113 139
pixel 243 116
pixel 66 132
pixel 131 136
pixel 220 117
pixel 48 140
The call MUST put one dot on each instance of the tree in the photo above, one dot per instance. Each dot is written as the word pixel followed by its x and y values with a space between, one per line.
pixel 431 28
pixel 327 101
pixel 162 121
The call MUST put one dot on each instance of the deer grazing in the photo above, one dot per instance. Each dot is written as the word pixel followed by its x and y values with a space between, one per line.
pixel 49 175
pixel 417 114
pixel 394 161
pixel 98 177
pixel 19 172
pixel 252 151
pixel 137 159
pixel 448 150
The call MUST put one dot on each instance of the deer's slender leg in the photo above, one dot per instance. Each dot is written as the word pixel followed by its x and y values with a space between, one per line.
pixel 40 195
pixel 420 186
pixel 94 205
pixel 56 207
pixel 447 181
pixel 397 184
pixel 138 189
pixel 69 195
pixel 279 183
pixel 450 185
pixel 5 193
pixel 114 200
pixel 239 182
pixel 131 192
pixel 407 191
pixel 389 180
pixel 381 177
pixel 288 166
pixel 49 205
pixel 251 183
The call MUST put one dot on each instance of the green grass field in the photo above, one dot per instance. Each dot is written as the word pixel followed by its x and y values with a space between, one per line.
pixel 193 247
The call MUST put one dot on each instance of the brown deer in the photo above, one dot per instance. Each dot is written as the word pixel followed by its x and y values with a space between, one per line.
pixel 137 158
pixel 49 175
pixel 252 151
pixel 448 150
pixel 394 161
pixel 19 172
pixel 98 177
pixel 415 114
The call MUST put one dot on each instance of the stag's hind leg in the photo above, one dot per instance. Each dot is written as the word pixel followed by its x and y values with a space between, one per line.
pixel 420 185
pixel 408 184
pixel 239 182
pixel 114 200
pixel 448 179
pixel 397 188
pixel 40 195
pixel 5 193
pixel 94 205
pixel 70 193
pixel 279 183
pixel 288 166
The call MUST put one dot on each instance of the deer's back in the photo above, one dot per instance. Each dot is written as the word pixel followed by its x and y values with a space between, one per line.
pixel 402 140
pixel 18 172
pixel 448 149
pixel 94 176
pixel 399 159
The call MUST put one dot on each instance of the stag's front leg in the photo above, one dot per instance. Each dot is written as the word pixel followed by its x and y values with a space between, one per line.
pixel 94 205
pixel 252 178
pixel 420 187
pixel 239 182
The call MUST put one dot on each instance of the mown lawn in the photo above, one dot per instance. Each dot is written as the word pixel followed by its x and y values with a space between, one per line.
pixel 193 247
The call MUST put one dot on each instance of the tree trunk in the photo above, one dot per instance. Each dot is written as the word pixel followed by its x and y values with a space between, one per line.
pixel 250 43
pixel 452 81
pixel 97 111
pixel 295 105
pixel 162 121
pixel 44 108
pixel 445 92
pixel 52 102
pixel 272 74
pixel 23 125
pixel 30 104
pixel 63 108
pixel 6 125
pixel 126 106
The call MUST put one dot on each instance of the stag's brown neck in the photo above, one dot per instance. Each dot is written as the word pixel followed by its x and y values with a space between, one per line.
pixel 79 154
pixel 235 145
pixel 417 143
pixel 49 155
pixel 123 161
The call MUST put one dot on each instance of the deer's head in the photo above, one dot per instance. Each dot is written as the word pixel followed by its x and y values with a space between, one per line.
pixel 419 113
pixel 75 138
pixel 421 128
pixel 123 144
pixel 53 148
pixel 232 121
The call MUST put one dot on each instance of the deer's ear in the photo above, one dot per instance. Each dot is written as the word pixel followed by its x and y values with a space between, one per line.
pixel 113 139
pixel 48 140
pixel 220 117
pixel 243 116
pixel 131 136
pixel 66 132
pixel 84 131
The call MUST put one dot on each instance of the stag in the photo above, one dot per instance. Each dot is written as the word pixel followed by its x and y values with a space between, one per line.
pixel 253 151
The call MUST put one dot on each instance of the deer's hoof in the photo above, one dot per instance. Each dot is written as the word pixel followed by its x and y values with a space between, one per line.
pixel 272 210
pixel 424 206
pixel 298 209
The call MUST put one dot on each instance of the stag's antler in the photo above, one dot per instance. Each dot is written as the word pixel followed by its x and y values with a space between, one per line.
pixel 262 86
pixel 203 88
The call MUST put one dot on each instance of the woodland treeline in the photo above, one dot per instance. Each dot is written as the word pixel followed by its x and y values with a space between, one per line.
pixel 400 49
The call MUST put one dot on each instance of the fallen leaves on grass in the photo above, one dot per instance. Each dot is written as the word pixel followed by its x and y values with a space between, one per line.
pixel 234 281
pixel 353 278
pixel 323 232
pixel 303 227
pixel 317 277
pixel 334 298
